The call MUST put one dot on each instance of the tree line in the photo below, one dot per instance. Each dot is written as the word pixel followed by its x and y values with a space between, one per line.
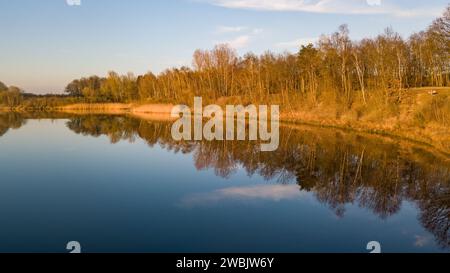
pixel 336 69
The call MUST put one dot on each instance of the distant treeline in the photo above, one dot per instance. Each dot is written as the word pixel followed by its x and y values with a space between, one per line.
pixel 336 70
pixel 13 97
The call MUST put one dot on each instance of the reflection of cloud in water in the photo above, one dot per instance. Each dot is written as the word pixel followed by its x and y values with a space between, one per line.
pixel 422 241
pixel 262 192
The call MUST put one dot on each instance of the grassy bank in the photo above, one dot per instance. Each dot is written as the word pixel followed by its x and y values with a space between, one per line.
pixel 420 116
pixel 119 108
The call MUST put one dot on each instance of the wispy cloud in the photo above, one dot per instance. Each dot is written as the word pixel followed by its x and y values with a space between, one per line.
pixel 230 29
pixel 257 31
pixel 384 7
pixel 73 2
pixel 247 34
pixel 238 42
pixel 295 44
pixel 374 2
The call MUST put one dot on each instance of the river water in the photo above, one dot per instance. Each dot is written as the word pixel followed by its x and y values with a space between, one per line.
pixel 122 184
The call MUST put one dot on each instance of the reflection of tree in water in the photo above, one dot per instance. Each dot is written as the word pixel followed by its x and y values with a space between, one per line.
pixel 117 128
pixel 435 214
pixel 10 121
pixel 339 168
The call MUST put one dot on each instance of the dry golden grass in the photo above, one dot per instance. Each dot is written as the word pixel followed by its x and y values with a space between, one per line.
pixel 121 107
pixel 421 116
pixel 153 108
pixel 152 116
pixel 95 107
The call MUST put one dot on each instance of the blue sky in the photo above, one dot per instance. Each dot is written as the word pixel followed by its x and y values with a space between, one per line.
pixel 45 44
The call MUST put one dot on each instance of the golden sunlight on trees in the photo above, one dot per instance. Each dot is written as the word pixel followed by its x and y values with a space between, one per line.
pixel 375 77
pixel 10 96
pixel 337 70
pixel 3 87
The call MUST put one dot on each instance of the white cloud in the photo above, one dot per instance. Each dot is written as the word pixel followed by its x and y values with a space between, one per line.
pixel 73 2
pixel 257 31
pixel 374 2
pixel 239 42
pixel 331 6
pixel 229 29
pixel 295 44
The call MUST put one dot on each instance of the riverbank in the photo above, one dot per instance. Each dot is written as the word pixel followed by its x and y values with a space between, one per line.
pixel 406 124
pixel 434 136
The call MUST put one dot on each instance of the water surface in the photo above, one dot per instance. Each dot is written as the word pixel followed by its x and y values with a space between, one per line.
pixel 121 184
